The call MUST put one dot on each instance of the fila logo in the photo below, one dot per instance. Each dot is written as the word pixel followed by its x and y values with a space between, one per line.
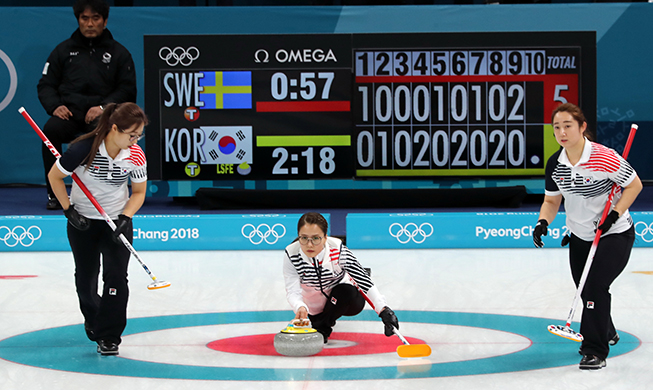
pixel 590 305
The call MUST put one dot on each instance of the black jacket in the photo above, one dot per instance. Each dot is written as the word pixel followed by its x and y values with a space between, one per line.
pixel 82 73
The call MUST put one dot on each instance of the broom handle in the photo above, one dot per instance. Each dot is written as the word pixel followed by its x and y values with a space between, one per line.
pixel 597 236
pixel 86 191
pixel 403 340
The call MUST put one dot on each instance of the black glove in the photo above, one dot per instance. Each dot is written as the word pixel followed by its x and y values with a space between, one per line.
pixel 609 221
pixel 77 220
pixel 389 320
pixel 122 227
pixel 565 240
pixel 541 229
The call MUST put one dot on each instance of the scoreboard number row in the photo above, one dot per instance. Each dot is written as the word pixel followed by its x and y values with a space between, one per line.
pixel 442 148
pixel 442 102
pixel 451 63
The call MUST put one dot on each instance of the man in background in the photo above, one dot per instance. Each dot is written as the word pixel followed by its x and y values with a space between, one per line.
pixel 82 75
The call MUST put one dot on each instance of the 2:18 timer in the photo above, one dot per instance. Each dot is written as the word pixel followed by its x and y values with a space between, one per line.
pixel 322 159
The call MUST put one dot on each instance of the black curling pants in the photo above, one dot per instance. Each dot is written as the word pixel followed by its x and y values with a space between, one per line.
pixel 59 132
pixel 611 258
pixel 105 314
pixel 344 300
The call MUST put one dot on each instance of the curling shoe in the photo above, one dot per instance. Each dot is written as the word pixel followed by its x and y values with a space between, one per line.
pixel 107 348
pixel 614 340
pixel 325 332
pixel 90 333
pixel 591 362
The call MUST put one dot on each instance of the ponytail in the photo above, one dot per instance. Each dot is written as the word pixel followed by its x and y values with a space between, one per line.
pixel 123 115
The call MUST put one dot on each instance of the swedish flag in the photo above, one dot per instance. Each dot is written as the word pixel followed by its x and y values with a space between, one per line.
pixel 226 90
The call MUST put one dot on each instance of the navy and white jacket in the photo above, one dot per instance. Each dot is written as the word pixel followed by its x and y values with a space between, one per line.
pixel 106 178
pixel 84 72
pixel 586 187
pixel 309 281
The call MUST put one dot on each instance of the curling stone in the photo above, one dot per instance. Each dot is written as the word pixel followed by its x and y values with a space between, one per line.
pixel 298 341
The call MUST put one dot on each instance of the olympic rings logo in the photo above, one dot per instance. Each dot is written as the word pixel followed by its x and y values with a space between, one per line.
pixel 179 55
pixel 263 232
pixel 411 231
pixel 19 234
pixel 644 231
pixel 13 80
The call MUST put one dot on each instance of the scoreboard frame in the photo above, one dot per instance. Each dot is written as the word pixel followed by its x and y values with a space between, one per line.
pixel 360 106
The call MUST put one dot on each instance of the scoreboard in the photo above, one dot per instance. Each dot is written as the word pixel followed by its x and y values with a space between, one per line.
pixel 320 106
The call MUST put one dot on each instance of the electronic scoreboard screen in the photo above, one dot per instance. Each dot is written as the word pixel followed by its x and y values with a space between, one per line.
pixel 320 106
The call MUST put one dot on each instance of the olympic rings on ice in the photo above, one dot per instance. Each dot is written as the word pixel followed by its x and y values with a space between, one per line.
pixel 644 231
pixel 411 232
pixel 179 55
pixel 19 234
pixel 263 232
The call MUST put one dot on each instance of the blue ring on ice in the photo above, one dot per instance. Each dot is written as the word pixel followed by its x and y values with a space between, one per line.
pixel 66 348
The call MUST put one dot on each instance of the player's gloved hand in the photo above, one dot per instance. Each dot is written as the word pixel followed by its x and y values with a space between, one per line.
pixel 389 320
pixel 541 229
pixel 122 227
pixel 565 240
pixel 609 221
pixel 77 220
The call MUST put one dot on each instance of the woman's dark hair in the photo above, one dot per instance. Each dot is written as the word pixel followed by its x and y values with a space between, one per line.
pixel 575 113
pixel 123 115
pixel 99 6
pixel 313 219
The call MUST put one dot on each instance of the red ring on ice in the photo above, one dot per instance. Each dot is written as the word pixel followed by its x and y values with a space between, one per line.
pixel 358 344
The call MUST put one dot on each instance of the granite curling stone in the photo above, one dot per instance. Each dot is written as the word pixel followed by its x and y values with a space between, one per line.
pixel 298 341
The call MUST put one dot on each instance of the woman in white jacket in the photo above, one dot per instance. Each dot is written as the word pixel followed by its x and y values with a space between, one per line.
pixel 318 271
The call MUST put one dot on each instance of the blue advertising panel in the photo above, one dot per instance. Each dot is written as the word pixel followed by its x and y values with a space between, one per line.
pixel 162 232
pixel 465 230
pixel 276 231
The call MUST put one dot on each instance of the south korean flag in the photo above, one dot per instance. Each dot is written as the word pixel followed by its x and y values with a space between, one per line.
pixel 227 145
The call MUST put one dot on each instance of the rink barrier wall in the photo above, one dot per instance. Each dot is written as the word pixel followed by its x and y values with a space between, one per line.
pixel 466 230
pixel 162 232
pixel 276 231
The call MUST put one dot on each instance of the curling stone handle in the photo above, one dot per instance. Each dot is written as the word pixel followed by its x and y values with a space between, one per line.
pixel 296 323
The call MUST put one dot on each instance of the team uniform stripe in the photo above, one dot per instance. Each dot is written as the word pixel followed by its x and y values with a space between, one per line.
pixel 587 185
pixel 136 156
pixel 318 276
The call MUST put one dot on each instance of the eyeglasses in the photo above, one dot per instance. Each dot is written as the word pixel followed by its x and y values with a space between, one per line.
pixel 135 137
pixel 315 240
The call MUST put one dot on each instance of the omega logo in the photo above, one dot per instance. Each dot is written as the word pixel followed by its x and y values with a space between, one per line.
pixel 300 55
